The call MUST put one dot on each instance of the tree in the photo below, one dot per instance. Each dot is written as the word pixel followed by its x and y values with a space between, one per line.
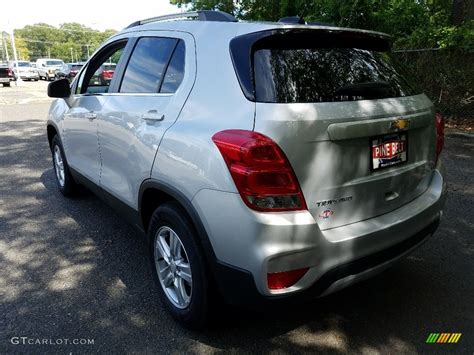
pixel 412 23
pixel 43 40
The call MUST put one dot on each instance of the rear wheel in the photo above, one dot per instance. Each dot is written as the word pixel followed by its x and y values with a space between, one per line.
pixel 64 180
pixel 6 84
pixel 178 265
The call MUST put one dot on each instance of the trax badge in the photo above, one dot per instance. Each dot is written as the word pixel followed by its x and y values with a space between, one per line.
pixel 326 214
pixel 399 124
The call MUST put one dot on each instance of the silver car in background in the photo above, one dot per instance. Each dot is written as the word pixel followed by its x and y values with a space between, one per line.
pixel 25 70
pixel 265 162
pixel 47 67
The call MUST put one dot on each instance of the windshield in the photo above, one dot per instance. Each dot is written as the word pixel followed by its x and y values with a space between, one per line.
pixel 54 63
pixel 24 64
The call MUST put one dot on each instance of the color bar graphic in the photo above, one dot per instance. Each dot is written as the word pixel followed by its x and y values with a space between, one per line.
pixel 443 338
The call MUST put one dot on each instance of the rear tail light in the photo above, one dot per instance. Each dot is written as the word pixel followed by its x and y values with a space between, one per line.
pixel 285 279
pixel 439 134
pixel 108 73
pixel 10 72
pixel 261 172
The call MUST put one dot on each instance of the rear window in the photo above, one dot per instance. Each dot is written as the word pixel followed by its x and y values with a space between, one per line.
pixel 54 62
pixel 109 67
pixel 320 66
pixel 327 75
pixel 24 64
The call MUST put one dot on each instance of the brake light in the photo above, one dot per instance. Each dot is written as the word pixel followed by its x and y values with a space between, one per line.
pixel 10 72
pixel 285 279
pixel 439 134
pixel 261 172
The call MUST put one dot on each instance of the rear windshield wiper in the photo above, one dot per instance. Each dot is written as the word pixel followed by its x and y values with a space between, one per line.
pixel 370 89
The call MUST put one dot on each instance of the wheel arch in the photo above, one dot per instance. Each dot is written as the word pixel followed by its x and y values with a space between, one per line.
pixel 51 130
pixel 153 193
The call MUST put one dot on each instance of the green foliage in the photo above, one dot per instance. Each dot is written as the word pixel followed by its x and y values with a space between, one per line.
pixel 71 41
pixel 412 23
pixel 446 76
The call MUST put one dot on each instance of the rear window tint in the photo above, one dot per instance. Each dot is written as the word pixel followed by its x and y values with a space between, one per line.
pixel 317 65
pixel 327 75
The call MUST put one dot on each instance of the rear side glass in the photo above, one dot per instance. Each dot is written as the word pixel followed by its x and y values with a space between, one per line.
pixel 327 75
pixel 147 65
pixel 175 72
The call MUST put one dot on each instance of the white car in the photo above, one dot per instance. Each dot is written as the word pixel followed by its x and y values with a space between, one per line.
pixel 47 68
pixel 25 70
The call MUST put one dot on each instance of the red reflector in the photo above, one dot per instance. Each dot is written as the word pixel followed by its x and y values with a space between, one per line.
pixel 285 279
pixel 261 172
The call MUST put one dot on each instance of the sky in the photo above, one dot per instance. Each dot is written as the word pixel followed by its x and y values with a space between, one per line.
pixel 97 14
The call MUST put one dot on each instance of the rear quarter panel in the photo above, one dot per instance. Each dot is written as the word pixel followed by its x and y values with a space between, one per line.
pixel 187 157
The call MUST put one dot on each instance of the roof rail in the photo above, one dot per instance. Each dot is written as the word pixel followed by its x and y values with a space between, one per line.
pixel 201 15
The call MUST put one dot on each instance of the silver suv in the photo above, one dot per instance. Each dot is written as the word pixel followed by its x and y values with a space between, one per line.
pixel 265 161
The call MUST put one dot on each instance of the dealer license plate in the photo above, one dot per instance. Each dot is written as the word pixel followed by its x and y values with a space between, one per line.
pixel 388 150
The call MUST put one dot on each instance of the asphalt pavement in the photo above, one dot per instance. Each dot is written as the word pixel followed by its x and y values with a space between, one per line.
pixel 71 270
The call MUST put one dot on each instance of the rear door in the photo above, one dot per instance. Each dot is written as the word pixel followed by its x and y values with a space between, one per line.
pixel 85 109
pixel 358 134
pixel 154 87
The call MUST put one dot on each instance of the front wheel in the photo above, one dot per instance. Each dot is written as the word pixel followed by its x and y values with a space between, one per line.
pixel 178 266
pixel 64 180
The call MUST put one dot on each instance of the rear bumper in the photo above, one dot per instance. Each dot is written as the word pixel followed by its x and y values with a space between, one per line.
pixel 29 75
pixel 238 286
pixel 248 245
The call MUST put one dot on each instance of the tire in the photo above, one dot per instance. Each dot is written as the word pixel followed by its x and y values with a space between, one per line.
pixel 6 85
pixel 192 309
pixel 64 179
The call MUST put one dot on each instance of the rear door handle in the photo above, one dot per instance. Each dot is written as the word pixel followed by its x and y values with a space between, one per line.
pixel 153 115
pixel 91 115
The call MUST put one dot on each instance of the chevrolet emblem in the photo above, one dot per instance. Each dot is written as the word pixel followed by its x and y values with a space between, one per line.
pixel 399 124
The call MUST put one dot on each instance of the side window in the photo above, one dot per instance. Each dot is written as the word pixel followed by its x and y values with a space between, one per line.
pixel 175 72
pixel 98 75
pixel 147 64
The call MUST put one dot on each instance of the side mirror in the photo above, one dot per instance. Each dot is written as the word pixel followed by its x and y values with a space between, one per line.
pixel 59 88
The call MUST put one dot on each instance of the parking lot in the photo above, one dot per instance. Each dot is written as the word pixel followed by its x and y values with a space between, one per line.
pixel 73 269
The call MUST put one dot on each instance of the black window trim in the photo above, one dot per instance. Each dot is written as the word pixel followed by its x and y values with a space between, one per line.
pixel 165 71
